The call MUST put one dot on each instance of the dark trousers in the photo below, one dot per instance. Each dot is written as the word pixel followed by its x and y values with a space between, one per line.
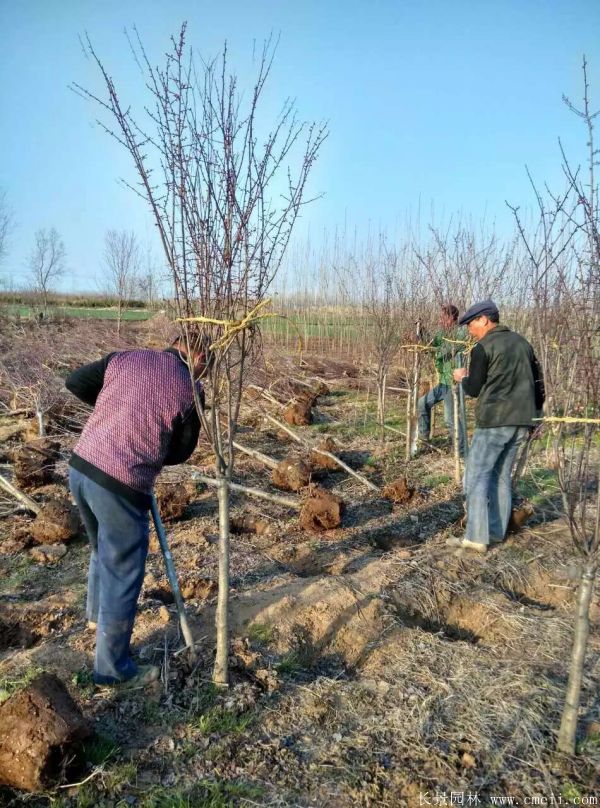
pixel 118 536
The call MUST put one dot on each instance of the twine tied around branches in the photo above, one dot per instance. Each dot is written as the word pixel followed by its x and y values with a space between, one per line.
pixel 567 419
pixel 233 327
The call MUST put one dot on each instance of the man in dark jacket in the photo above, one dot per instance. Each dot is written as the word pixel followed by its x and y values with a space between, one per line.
pixel 144 417
pixel 505 378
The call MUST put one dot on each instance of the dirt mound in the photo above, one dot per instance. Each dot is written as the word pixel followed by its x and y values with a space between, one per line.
pixel 34 463
pixel 320 462
pixel 38 727
pixel 250 524
pixel 399 491
pixel 198 588
pixel 173 498
pixel 291 474
pixel 47 553
pixel 57 522
pixel 519 516
pixel 299 412
pixel 305 390
pixel 324 617
pixel 322 510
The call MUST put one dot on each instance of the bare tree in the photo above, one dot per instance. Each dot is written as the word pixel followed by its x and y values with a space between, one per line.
pixel 564 256
pixel 224 201
pixel 121 257
pixel 148 280
pixel 30 375
pixel 6 225
pixel 46 262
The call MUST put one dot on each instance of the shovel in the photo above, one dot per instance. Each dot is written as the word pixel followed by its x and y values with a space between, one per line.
pixel 172 576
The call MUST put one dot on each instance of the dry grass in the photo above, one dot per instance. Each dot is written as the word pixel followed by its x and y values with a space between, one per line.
pixel 371 664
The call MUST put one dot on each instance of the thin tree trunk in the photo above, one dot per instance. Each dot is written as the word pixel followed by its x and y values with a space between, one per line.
pixel 432 424
pixel 256 455
pixel 220 671
pixel 323 452
pixel 40 419
pixel 409 424
pixel 411 406
pixel 568 724
pixel 456 429
pixel 29 503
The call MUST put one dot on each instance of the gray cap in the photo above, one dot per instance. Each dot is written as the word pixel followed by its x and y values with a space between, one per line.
pixel 477 310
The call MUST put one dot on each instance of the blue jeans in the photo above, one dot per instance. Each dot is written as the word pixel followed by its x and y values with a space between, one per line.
pixel 441 392
pixel 488 486
pixel 118 535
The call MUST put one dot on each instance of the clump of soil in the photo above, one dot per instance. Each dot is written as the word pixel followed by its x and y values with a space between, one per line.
pixel 57 522
pixel 291 474
pixel 198 588
pixel 39 726
pixel 47 553
pixel 34 463
pixel 250 524
pixel 322 510
pixel 320 462
pixel 399 491
pixel 173 498
pixel 299 412
pixel 306 390
pixel 519 516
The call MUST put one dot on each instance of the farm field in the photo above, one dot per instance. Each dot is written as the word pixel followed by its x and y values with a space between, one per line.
pixel 95 313
pixel 371 665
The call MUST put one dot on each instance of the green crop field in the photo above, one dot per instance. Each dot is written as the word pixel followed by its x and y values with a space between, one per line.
pixel 76 311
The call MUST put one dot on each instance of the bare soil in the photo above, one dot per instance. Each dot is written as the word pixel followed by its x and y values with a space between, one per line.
pixel 39 726
pixel 371 665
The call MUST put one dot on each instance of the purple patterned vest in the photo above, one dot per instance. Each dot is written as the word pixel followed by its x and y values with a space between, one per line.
pixel 128 434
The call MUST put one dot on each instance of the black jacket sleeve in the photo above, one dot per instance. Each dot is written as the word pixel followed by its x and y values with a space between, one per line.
pixel 86 382
pixel 538 382
pixel 184 438
pixel 478 367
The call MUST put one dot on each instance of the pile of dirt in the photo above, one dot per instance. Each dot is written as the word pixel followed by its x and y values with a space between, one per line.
pixel 250 524
pixel 57 522
pixel 299 412
pixel 302 389
pixel 34 463
pixel 198 588
pixel 292 474
pixel 320 462
pixel 399 491
pixel 39 727
pixel 519 516
pixel 47 553
pixel 173 498
pixel 322 510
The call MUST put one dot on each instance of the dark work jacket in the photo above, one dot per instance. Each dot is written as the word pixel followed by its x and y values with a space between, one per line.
pixel 505 377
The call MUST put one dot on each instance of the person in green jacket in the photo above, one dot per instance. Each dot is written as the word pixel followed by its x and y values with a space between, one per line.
pixel 506 379
pixel 446 346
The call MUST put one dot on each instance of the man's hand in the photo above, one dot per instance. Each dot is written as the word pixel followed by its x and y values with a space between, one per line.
pixel 459 374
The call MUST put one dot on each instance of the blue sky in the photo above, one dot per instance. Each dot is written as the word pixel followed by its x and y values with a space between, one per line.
pixel 436 105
